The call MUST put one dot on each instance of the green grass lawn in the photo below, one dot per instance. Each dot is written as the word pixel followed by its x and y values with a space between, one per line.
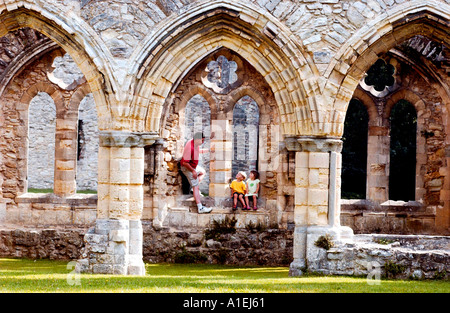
pixel 26 276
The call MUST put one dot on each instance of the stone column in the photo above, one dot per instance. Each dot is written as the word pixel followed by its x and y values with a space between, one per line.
pixel 114 246
pixel 65 153
pixel 221 160
pixel 378 154
pixel 317 198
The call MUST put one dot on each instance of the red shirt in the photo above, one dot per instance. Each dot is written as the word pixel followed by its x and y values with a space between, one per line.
pixel 190 154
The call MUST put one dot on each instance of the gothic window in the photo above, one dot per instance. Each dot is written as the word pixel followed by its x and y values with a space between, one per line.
pixel 198 119
pixel 402 170
pixel 354 152
pixel 41 143
pixel 87 145
pixel 245 136
pixel 221 74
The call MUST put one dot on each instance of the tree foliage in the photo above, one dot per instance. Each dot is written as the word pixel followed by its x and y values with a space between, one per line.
pixel 380 75
pixel 354 152
pixel 402 171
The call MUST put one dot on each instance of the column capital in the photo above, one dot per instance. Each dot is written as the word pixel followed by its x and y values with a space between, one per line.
pixel 313 144
pixel 126 139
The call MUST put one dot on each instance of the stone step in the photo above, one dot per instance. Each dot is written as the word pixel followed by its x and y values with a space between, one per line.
pixel 186 217
pixel 189 201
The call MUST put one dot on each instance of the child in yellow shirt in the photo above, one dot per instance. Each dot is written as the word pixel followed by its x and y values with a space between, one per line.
pixel 238 188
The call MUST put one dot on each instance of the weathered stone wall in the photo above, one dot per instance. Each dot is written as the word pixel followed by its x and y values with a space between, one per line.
pixel 377 256
pixel 272 247
pixel 391 217
pixel 373 256
pixel 41 142
pixel 41 244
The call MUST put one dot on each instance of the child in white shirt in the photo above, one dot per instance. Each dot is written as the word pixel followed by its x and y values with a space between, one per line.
pixel 252 189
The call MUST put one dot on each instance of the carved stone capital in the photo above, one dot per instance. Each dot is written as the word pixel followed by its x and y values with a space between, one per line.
pixel 126 139
pixel 313 144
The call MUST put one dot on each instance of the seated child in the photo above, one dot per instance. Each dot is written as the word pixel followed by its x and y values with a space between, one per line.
pixel 238 190
pixel 252 189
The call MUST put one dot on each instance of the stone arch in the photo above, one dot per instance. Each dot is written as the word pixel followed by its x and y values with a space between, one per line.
pixel 421 157
pixel 187 94
pixel 407 95
pixel 43 87
pixel 25 102
pixel 61 33
pixel 368 103
pixel 25 58
pixel 364 48
pixel 284 68
pixel 180 106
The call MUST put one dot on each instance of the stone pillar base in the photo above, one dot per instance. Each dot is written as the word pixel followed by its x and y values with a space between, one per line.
pixel 307 256
pixel 113 247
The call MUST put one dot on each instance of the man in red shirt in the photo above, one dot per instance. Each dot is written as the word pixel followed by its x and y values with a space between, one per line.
pixel 190 168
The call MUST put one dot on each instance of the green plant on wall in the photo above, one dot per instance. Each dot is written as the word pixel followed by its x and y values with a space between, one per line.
pixel 325 242
pixel 220 227
pixel 354 151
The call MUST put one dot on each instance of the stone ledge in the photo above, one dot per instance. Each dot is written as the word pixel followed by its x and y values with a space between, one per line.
pixel 126 139
pixel 419 256
pixel 75 199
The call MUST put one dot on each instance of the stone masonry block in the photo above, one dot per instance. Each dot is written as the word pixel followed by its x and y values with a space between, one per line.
pixel 219 190
pixel 119 192
pixel 317 197
pixel 120 153
pixel 313 177
pixel 65 165
pixel 301 196
pixel 300 214
pixel 319 160
pixel 120 164
pixel 119 177
pixel 219 177
pixel 301 177
pixel 118 209
pixel 221 165
pixel 137 153
pixel 302 159
pixel 121 235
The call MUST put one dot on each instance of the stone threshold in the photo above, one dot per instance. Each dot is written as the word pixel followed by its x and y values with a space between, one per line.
pixel 185 214
pixel 75 199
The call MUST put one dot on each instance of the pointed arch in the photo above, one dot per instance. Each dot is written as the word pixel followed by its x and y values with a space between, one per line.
pixel 267 46
pixel 430 18
pixel 73 35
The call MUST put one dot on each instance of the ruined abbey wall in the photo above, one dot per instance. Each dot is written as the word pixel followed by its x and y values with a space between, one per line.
pixel 142 65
